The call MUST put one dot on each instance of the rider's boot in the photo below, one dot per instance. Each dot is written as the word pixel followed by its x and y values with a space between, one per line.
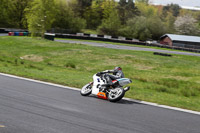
pixel 127 88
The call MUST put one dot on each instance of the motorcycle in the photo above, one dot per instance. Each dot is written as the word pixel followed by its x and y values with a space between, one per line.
pixel 113 93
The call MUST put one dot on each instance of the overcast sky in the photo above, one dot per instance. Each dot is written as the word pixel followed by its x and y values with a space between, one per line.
pixel 189 3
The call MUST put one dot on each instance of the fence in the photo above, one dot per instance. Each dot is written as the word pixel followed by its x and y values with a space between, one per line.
pixel 190 46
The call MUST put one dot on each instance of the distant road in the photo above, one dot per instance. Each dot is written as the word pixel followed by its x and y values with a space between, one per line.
pixel 106 45
pixel 3 34
pixel 30 107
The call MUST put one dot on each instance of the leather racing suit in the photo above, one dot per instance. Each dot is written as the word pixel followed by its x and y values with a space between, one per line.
pixel 117 74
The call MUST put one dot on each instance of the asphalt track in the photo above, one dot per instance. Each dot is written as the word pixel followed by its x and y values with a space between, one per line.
pixel 106 45
pixel 30 107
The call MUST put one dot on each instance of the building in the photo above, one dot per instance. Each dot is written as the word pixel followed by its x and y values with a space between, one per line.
pixel 181 41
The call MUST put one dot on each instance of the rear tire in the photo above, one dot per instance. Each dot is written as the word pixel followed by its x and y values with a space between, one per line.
pixel 86 90
pixel 116 94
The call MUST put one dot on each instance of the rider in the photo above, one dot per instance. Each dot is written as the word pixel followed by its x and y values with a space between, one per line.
pixel 117 73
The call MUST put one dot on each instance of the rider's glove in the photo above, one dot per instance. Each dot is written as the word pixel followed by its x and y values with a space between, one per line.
pixel 102 72
pixel 98 74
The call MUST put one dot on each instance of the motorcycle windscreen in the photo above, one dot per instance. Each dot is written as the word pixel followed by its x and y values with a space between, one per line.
pixel 124 81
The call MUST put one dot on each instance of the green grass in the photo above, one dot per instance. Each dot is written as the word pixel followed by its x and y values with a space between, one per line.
pixel 89 31
pixel 173 81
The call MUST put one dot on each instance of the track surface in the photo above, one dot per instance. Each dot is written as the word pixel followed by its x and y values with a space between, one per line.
pixel 28 107
pixel 106 45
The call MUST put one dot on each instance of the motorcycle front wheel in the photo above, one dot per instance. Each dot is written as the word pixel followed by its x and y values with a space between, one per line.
pixel 116 94
pixel 86 90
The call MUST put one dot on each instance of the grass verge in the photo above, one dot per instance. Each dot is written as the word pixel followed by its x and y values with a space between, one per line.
pixel 173 81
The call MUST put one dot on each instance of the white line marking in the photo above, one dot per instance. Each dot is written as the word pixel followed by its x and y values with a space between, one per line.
pixel 77 89
pixel 41 82
pixel 164 106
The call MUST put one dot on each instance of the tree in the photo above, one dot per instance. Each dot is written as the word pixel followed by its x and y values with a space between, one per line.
pixel 186 25
pixel 142 1
pixel 4 9
pixel 169 22
pixel 94 15
pixel 111 25
pixel 18 13
pixel 147 10
pixel 108 7
pixel 122 10
pixel 81 6
pixel 136 28
pixel 65 18
pixel 13 13
pixel 127 10
pixel 156 27
pixel 111 22
pixel 40 16
pixel 131 9
pixel 173 8
pixel 143 28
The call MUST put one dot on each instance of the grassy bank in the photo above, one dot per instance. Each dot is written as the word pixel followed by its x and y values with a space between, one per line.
pixel 173 81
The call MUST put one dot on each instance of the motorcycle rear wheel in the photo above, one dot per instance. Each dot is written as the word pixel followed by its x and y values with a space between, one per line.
pixel 86 90
pixel 116 94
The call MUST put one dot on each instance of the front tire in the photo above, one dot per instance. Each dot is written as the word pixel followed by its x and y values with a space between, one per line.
pixel 116 94
pixel 86 90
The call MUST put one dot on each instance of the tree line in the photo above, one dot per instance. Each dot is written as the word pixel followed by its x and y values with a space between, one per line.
pixel 126 18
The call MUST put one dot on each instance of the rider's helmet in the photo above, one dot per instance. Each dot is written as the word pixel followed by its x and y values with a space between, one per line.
pixel 116 69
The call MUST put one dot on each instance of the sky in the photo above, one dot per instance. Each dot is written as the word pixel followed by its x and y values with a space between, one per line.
pixel 184 3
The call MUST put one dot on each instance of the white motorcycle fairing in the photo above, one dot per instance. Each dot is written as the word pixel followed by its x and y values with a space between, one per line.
pixel 97 82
